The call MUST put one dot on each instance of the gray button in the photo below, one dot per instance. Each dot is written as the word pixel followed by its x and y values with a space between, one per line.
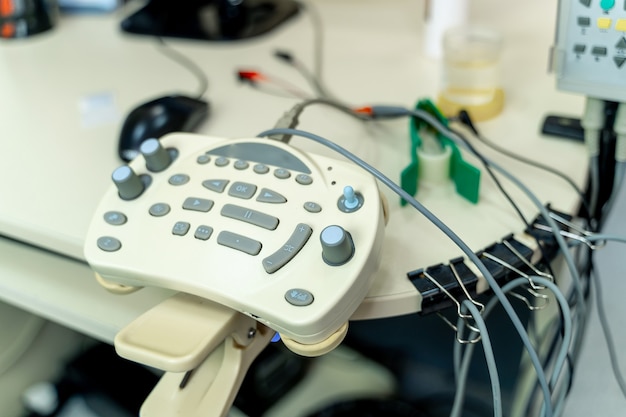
pixel 312 207
pixel 114 218
pixel 289 250
pixel 584 21
pixel 180 228
pixel 215 185
pixel 239 242
pixel 282 173
pixel 621 44
pixel 159 209
pixel 261 169
pixel 203 159
pixel 197 204
pixel 179 179
pixel 299 297
pixel 585 3
pixel 241 189
pixel 222 161
pixel 304 179
pixel 579 48
pixel 250 216
pixel 241 164
pixel 109 244
pixel 270 196
pixel 599 51
pixel 203 232
pixel 619 61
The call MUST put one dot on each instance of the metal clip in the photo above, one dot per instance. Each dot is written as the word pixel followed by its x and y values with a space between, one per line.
pixel 570 225
pixel 529 264
pixel 480 306
pixel 596 245
pixel 570 235
pixel 464 317
pixel 533 287
pixel 532 306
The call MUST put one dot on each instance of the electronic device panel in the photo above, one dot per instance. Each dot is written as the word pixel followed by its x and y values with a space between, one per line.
pixel 287 238
pixel 589 55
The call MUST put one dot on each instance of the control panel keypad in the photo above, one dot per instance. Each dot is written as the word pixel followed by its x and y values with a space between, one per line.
pixel 240 190
pixel 590 50
pixel 239 222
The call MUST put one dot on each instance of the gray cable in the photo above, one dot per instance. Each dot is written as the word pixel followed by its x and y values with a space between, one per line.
pixel 581 317
pixel 427 117
pixel 318 45
pixel 604 322
pixel 336 105
pixel 618 180
pixel 608 335
pixel 515 320
pixel 190 65
pixel 492 367
pixel 461 370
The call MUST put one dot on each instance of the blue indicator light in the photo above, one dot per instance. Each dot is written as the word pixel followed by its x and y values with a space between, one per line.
pixel 275 338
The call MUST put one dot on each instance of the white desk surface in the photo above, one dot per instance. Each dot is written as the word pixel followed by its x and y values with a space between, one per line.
pixel 58 155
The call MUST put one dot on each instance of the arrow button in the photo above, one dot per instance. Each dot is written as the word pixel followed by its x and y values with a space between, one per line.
pixel 270 196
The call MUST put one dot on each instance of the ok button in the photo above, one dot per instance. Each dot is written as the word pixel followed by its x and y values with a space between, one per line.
pixel 241 189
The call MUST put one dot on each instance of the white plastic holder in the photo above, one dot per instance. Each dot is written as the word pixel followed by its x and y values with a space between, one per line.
pixel 205 349
pixel 434 167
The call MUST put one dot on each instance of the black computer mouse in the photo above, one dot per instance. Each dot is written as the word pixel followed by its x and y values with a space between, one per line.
pixel 155 118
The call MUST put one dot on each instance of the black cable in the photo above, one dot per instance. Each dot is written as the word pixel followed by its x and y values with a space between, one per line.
pixel 465 119
pixel 493 176
pixel 186 63
pixel 487 167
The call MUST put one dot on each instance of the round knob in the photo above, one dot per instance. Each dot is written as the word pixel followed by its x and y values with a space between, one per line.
pixel 337 245
pixel 156 156
pixel 128 184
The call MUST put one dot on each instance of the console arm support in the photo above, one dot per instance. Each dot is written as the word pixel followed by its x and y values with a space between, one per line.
pixel 205 349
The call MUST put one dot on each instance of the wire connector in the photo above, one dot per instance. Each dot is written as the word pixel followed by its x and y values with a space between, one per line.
pixel 384 111
pixel 289 120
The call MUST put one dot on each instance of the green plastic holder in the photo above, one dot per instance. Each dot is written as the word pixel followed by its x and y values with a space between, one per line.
pixel 466 177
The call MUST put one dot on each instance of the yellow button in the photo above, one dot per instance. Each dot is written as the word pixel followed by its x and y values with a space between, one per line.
pixel 604 23
pixel 621 25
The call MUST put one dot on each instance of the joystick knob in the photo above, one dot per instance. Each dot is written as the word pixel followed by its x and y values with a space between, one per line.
pixel 128 183
pixel 156 156
pixel 350 200
pixel 337 245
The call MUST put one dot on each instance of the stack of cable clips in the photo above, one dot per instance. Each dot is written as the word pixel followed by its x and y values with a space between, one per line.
pixel 443 286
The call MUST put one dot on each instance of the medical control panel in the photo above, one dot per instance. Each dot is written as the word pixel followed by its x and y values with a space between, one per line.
pixel 589 55
pixel 288 238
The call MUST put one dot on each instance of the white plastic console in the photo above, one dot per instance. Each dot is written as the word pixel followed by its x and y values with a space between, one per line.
pixel 287 238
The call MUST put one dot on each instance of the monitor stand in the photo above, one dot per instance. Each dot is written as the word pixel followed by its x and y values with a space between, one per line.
pixel 210 20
